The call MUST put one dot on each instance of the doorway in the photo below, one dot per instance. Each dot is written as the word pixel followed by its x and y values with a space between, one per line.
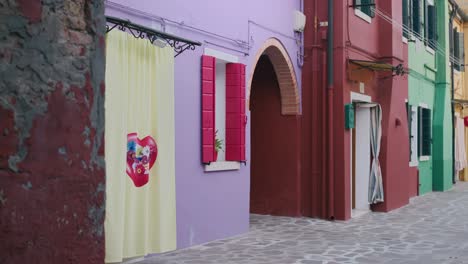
pixel 360 158
pixel 275 153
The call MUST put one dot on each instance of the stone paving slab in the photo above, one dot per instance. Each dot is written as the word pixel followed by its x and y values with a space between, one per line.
pixel 432 229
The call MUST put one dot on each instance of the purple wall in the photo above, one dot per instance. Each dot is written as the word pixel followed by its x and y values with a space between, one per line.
pixel 211 205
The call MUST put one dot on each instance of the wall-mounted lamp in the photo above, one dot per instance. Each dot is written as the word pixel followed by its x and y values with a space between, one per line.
pixel 299 21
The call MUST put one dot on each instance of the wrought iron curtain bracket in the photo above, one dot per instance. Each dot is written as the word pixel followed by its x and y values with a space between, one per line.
pixel 138 31
pixel 399 70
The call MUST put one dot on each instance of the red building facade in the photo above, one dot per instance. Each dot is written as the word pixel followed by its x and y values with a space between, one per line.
pixel 368 53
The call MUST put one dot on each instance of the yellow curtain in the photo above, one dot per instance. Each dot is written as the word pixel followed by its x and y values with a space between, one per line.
pixel 139 98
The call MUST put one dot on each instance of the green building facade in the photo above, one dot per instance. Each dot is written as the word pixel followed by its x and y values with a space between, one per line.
pixel 429 98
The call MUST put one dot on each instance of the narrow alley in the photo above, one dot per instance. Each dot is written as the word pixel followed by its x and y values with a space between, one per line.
pixel 432 229
pixel 233 132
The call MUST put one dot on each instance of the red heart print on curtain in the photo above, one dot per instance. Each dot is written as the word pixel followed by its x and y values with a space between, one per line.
pixel 141 155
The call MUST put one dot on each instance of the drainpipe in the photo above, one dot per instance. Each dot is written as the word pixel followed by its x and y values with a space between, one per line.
pixel 452 78
pixel 300 57
pixel 330 73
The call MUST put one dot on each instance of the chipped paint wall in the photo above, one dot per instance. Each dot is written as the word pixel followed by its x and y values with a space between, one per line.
pixel 52 177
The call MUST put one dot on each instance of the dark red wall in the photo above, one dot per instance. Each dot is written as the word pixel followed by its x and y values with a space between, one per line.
pixel 52 177
pixel 382 42
pixel 414 181
pixel 275 181
pixel 314 145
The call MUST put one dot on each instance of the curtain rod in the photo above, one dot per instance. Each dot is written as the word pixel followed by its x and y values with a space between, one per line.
pixel 460 101
pixel 138 31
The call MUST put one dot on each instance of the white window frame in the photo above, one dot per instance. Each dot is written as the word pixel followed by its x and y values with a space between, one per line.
pixel 221 165
pixel 362 15
pixel 430 50
pixel 424 158
pixel 414 161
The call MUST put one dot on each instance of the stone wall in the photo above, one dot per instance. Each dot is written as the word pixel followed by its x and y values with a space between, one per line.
pixel 52 176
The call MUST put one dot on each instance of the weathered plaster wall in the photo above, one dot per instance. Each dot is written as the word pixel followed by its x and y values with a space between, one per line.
pixel 52 177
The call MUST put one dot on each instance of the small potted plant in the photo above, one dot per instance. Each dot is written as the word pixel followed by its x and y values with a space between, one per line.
pixel 218 145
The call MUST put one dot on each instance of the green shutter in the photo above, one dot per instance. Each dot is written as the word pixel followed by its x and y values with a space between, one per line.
pixel 410 15
pixel 431 26
pixel 434 24
pixel 427 132
pixel 420 132
pixel 425 21
pixel 416 13
pixel 405 18
pixel 461 52
pixel 452 44
pixel 456 49
pixel 422 17
pixel 366 6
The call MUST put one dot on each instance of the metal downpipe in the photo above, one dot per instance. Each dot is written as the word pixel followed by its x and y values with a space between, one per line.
pixel 330 84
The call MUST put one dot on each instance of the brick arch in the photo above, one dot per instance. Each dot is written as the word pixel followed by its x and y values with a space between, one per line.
pixel 285 73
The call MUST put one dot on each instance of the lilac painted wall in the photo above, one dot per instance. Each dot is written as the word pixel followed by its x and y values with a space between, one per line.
pixel 211 205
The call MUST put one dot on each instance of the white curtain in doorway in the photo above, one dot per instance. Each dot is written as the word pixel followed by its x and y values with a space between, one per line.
pixel 139 98
pixel 460 152
pixel 376 191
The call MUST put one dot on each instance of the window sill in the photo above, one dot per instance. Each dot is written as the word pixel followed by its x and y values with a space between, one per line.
pixel 424 158
pixel 423 105
pixel 363 16
pixel 414 163
pixel 222 166
pixel 430 50
pixel 405 40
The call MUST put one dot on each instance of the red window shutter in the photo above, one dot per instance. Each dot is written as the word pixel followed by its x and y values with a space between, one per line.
pixel 236 119
pixel 208 76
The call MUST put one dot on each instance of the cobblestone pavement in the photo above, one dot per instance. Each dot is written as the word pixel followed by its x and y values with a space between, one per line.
pixel 432 229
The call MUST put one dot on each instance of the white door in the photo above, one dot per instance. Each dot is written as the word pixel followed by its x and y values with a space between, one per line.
pixel 362 158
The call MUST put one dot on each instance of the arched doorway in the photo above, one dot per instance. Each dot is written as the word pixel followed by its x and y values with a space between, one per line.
pixel 275 152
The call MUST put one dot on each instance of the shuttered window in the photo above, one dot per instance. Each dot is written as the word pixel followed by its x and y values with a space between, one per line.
pixel 416 16
pixel 424 131
pixel 231 77
pixel 456 50
pixel 366 6
pixel 406 18
pixel 431 26
pixel 208 89
pixel 461 45
pixel 452 44
pixel 459 51
pixel 236 118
